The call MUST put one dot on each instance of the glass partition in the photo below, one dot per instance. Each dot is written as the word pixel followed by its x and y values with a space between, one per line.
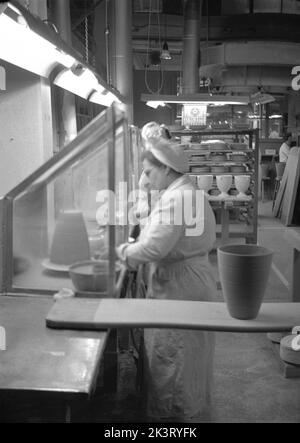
pixel 66 213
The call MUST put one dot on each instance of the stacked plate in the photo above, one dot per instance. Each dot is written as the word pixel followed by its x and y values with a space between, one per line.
pixel 214 145
pixel 238 169
pixel 242 158
pixel 218 158
pixel 238 146
pixel 220 169
pixel 200 169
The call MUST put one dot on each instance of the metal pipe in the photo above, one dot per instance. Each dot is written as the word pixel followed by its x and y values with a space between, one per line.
pixel 61 16
pixel 123 56
pixel 67 123
pixel 191 46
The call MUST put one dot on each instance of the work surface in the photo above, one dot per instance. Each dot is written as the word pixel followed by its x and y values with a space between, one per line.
pixel 107 313
pixel 40 359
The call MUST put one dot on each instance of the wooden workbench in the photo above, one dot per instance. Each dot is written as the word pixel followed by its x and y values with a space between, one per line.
pixel 61 364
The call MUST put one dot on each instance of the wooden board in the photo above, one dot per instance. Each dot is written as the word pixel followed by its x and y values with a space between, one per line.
pixel 293 171
pixel 280 196
pixel 122 313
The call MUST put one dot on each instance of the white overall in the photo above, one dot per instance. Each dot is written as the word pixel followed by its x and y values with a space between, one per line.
pixel 178 364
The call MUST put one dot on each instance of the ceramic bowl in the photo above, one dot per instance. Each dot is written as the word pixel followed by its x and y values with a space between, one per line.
pixel 91 275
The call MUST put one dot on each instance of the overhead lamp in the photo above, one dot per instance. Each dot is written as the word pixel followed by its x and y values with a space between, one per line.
pixel 165 53
pixel 79 80
pixel 27 42
pixel 104 98
pixel 275 116
pixel 261 98
pixel 206 99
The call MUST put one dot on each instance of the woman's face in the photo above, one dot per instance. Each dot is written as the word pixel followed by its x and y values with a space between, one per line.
pixel 156 176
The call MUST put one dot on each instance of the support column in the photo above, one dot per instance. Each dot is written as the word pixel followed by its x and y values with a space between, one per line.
pixel 65 101
pixel 191 46
pixel 122 75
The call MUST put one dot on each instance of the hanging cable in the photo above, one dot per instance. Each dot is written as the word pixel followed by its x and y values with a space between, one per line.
pixel 86 24
pixel 107 34
pixel 161 80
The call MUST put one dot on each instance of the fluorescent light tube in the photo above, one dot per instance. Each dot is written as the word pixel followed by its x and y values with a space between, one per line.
pixel 81 84
pixel 104 99
pixel 155 105
pixel 22 47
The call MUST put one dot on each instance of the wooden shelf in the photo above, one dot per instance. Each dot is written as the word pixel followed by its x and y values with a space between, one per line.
pixel 221 173
pixel 247 228
pixel 226 151
pixel 231 198
pixel 212 163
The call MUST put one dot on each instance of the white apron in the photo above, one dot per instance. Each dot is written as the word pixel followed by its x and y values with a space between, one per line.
pixel 178 363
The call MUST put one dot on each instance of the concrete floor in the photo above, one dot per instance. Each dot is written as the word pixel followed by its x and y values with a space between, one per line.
pixel 249 382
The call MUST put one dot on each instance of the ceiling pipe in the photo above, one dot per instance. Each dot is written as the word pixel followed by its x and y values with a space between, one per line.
pixel 191 46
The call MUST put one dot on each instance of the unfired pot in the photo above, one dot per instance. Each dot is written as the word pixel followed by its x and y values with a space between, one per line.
pixel 244 274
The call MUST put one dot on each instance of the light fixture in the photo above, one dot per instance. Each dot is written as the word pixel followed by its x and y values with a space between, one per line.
pixel 79 80
pixel 274 116
pixel 261 98
pixel 104 98
pixel 155 105
pixel 206 99
pixel 29 43
pixel 165 53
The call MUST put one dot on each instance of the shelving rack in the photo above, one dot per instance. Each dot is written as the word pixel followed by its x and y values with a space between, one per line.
pixel 248 207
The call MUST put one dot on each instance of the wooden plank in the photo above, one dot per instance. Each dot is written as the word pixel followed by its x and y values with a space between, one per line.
pixel 293 171
pixel 280 195
pixel 148 313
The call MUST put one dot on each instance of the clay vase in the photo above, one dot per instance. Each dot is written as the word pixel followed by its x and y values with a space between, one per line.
pixel 70 242
pixel 205 183
pixel 224 183
pixel 244 274
pixel 242 183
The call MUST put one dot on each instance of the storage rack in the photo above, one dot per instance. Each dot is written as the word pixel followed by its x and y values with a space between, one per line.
pixel 248 207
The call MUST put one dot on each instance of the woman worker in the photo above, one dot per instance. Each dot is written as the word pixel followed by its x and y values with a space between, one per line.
pixel 151 133
pixel 178 364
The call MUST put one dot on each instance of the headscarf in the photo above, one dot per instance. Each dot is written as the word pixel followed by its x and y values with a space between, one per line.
pixel 171 154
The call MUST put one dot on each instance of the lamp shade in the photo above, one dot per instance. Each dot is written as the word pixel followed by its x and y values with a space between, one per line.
pixel 165 53
pixel 28 43
pixel 104 98
pixel 80 81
